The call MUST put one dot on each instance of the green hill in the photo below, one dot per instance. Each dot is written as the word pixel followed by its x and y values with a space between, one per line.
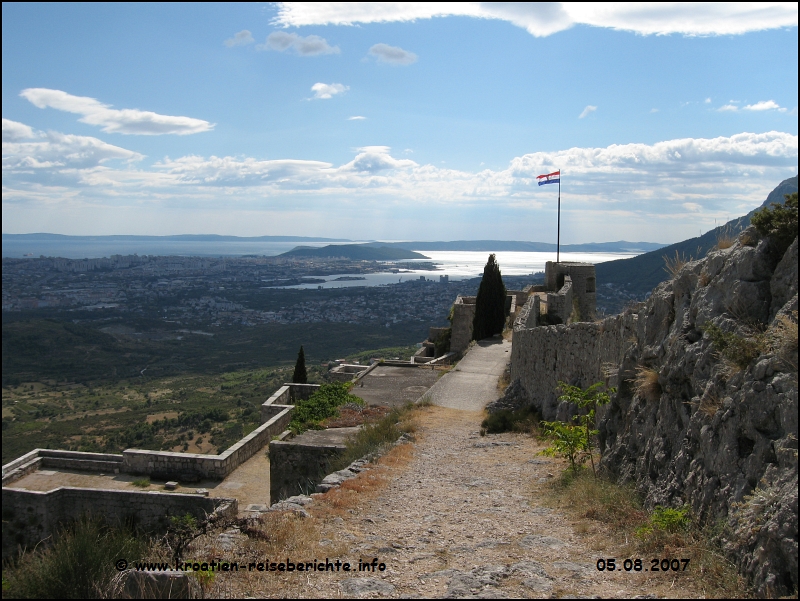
pixel 640 274
pixel 355 252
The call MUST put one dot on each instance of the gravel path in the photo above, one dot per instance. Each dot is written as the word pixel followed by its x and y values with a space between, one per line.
pixel 462 520
pixel 461 516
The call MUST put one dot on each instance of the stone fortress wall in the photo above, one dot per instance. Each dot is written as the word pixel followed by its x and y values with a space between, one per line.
pixel 33 516
pixel 717 436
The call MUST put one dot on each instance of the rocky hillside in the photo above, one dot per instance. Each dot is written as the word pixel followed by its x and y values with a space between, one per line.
pixel 706 413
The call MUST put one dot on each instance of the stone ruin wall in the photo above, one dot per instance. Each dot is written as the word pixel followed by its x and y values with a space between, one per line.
pixel 463 315
pixel 720 439
pixel 579 354
pixel 33 516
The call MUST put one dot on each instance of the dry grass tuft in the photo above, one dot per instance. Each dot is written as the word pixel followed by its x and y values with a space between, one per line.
pixel 704 279
pixel 646 383
pixel 619 515
pixel 710 404
pixel 725 239
pixel 673 265
pixel 782 339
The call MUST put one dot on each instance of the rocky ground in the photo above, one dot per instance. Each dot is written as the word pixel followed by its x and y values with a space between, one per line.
pixel 455 515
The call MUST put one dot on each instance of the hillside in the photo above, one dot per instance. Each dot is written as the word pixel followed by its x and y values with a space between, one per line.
pixel 640 274
pixel 355 252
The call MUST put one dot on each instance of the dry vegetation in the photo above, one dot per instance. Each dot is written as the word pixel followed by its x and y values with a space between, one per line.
pixel 605 510
pixel 646 383
pixel 673 265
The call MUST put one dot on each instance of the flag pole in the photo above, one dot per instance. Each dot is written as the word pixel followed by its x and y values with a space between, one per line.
pixel 558 235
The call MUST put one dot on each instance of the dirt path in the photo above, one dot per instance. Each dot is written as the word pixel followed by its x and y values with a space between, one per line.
pixel 462 519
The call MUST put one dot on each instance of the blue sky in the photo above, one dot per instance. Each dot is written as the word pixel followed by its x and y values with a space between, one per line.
pixel 387 121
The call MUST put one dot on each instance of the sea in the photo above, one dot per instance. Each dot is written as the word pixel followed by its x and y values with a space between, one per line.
pixel 457 265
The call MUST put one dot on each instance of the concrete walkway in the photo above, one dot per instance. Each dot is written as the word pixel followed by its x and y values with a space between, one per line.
pixel 473 382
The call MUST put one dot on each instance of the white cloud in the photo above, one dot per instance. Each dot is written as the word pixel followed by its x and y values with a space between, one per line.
pixel 311 45
pixel 125 121
pixel 764 105
pixel 546 18
pixel 707 101
pixel 243 38
pixel 372 159
pixel 728 108
pixel 324 91
pixel 653 110
pixel 356 118
pixel 660 191
pixel 13 131
pixel 392 55
pixel 587 111
pixel 55 151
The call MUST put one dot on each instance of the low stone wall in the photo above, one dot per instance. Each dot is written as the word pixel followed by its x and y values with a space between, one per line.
pixel 30 517
pixel 579 354
pixel 187 467
pixel 297 468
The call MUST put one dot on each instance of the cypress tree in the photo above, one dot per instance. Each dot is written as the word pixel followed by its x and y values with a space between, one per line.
pixel 490 306
pixel 300 376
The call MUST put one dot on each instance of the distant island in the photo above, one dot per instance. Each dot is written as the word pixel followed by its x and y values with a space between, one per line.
pixel 355 252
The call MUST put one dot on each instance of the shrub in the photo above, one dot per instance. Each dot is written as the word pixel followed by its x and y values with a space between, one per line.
pixel 506 420
pixel 79 564
pixel 779 222
pixel 739 350
pixel 376 437
pixel 141 483
pixel 324 403
pixel 666 520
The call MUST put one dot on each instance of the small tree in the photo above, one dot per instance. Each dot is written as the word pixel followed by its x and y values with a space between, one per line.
pixel 300 375
pixel 576 441
pixel 490 305
pixel 779 222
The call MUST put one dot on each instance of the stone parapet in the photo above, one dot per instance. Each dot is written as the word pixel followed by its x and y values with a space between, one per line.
pixel 30 517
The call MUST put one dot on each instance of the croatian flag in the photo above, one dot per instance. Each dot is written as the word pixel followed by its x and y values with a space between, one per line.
pixel 550 178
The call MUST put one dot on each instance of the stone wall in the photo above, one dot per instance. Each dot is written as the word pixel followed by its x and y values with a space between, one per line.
pixel 297 468
pixel 463 315
pixel 579 354
pixel 559 304
pixel 584 284
pixel 32 516
pixel 715 432
pixel 186 467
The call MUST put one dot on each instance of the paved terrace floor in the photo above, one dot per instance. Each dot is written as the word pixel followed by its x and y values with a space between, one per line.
pixel 395 386
pixel 473 382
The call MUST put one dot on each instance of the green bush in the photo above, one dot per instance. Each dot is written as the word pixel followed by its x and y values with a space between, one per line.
pixel 737 349
pixel 506 420
pixel 324 403
pixel 779 222
pixel 79 565
pixel 665 519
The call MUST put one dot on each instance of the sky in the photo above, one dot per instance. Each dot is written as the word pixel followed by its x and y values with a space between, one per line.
pixel 396 121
